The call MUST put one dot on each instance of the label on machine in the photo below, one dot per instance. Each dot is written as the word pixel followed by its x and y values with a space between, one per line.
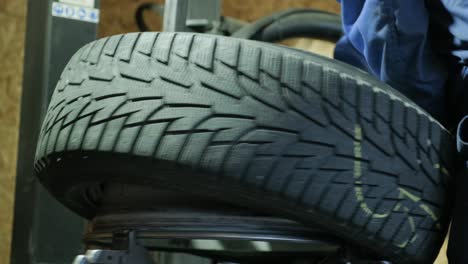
pixel 75 12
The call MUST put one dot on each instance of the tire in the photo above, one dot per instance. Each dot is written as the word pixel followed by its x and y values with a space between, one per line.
pixel 254 124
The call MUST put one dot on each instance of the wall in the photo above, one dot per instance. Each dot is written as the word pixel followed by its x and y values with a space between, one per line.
pixel 12 23
pixel 118 16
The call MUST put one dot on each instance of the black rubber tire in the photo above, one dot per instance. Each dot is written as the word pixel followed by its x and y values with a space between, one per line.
pixel 254 124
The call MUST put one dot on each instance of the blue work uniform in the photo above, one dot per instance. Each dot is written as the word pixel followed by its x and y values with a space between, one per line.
pixel 421 49
pixel 418 47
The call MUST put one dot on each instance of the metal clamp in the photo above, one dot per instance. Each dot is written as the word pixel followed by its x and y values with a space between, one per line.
pixel 131 252
pixel 192 15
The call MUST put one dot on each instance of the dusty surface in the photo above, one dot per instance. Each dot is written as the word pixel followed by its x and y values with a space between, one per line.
pixel 12 14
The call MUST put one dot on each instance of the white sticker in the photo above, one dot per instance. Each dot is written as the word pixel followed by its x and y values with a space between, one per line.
pixel 86 3
pixel 75 12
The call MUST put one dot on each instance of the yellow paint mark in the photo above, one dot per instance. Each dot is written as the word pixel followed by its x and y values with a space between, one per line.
pixel 442 169
pixel 403 245
pixel 411 196
pixel 421 205
pixel 413 229
pixel 403 193
pixel 397 207
pixel 410 219
pixel 357 172
pixel 357 133
pixel 431 213
pixel 407 242
pixel 445 171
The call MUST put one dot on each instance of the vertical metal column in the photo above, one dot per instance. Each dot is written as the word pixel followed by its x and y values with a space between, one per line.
pixel 175 13
pixel 43 230
pixel 188 15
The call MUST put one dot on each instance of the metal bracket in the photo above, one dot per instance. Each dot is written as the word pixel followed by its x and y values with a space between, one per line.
pixel 50 43
pixel 126 251
pixel 192 15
